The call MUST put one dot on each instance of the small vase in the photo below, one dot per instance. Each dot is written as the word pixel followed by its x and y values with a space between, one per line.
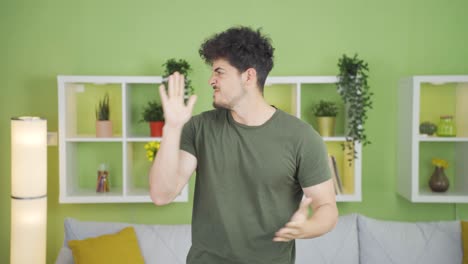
pixel 326 126
pixel 446 127
pixel 439 181
pixel 156 128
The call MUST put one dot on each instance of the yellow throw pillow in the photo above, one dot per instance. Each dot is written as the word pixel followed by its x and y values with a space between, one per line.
pixel 464 226
pixel 121 247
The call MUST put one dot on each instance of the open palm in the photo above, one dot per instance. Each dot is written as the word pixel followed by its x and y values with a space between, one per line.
pixel 176 113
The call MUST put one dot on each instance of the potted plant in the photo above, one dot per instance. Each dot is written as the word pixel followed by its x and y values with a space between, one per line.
pixel 153 114
pixel 103 123
pixel 183 67
pixel 353 87
pixel 325 113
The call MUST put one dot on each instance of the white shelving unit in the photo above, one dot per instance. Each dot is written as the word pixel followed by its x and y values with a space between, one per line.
pixel 297 86
pixel 76 143
pixel 425 98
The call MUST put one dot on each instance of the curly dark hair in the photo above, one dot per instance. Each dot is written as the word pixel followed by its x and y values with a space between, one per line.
pixel 243 48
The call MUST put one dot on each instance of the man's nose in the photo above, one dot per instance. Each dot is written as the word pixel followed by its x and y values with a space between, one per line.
pixel 212 81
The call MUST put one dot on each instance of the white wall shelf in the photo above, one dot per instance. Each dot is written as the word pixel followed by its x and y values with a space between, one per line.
pixel 426 98
pixel 143 139
pixel 80 150
pixel 442 139
pixel 297 87
pixel 93 139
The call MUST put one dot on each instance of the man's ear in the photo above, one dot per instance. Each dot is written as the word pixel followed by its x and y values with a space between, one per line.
pixel 250 77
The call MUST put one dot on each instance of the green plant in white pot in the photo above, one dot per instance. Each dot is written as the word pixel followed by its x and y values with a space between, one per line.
pixel 325 113
pixel 354 90
pixel 103 122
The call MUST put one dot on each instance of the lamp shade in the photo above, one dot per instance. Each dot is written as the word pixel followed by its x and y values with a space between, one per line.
pixel 28 190
pixel 28 157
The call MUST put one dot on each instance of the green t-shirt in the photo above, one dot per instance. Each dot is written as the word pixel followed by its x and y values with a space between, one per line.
pixel 249 182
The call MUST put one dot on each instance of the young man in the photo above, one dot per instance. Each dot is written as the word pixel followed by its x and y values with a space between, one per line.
pixel 254 163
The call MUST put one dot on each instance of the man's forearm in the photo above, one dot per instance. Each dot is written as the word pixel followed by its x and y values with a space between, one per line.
pixel 163 172
pixel 322 221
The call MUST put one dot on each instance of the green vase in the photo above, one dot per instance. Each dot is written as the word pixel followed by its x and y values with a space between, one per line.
pixel 446 127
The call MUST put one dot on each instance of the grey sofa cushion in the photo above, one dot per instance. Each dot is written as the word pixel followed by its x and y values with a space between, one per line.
pixel 65 256
pixel 158 243
pixel 388 242
pixel 338 246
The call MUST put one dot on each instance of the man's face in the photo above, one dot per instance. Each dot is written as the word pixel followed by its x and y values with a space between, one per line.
pixel 228 88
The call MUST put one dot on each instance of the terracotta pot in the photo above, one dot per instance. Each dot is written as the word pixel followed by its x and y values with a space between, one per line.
pixel 326 126
pixel 156 128
pixel 103 128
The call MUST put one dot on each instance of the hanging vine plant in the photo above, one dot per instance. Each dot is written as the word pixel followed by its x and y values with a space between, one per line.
pixel 354 90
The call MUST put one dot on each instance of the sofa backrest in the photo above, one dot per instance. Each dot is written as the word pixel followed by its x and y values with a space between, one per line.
pixel 338 246
pixel 169 244
pixel 158 243
pixel 355 239
pixel 388 242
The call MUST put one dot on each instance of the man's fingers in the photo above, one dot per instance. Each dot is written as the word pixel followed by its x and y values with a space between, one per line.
pixel 163 94
pixel 191 102
pixel 286 234
pixel 181 86
pixel 293 225
pixel 287 231
pixel 171 88
pixel 176 83
pixel 281 239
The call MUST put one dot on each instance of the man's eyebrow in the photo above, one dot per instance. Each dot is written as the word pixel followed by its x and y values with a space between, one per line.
pixel 218 69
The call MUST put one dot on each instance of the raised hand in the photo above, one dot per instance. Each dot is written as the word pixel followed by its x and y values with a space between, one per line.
pixel 297 225
pixel 176 113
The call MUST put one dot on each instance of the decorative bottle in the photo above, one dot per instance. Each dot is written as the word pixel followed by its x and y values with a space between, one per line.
pixel 102 184
pixel 446 127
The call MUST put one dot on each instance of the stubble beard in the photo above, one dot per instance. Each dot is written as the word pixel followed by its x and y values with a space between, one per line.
pixel 229 105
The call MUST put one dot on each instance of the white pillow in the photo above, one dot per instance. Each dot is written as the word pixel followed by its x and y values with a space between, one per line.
pixel 390 242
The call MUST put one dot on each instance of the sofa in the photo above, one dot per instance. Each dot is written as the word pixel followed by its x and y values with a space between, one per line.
pixel 355 239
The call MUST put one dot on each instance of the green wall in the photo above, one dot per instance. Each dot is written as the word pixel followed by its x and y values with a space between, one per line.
pixel 42 39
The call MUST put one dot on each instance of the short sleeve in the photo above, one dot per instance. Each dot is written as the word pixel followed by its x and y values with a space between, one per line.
pixel 187 140
pixel 313 167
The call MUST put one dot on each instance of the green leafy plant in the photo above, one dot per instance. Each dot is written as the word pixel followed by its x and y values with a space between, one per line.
pixel 427 128
pixel 153 112
pixel 181 66
pixel 103 109
pixel 325 108
pixel 354 90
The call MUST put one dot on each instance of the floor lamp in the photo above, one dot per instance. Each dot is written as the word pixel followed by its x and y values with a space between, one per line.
pixel 28 190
